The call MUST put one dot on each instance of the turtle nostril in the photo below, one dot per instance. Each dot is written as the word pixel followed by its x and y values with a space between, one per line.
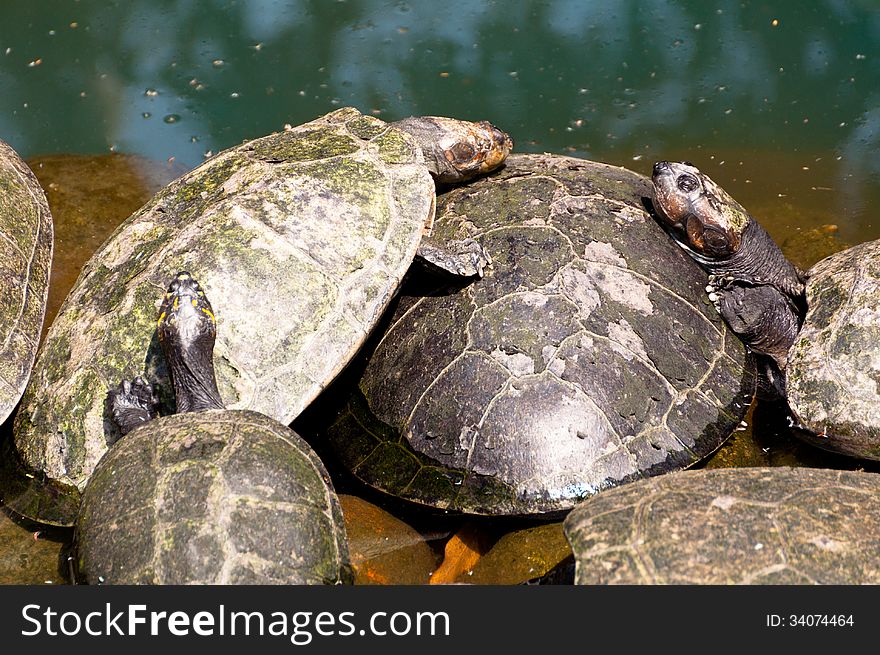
pixel 661 166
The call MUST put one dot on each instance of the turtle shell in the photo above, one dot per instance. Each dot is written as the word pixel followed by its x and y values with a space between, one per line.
pixel 25 262
pixel 834 364
pixel 588 355
pixel 215 497
pixel 731 526
pixel 302 237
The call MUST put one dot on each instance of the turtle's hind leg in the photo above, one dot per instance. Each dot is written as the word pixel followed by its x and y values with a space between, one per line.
pixel 132 403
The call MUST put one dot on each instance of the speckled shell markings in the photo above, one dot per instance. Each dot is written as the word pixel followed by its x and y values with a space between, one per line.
pixel 300 239
pixel 732 526
pixel 25 261
pixel 588 356
pixel 217 497
pixel 834 364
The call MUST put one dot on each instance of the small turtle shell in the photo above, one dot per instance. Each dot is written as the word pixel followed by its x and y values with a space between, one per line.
pixel 214 497
pixel 731 526
pixel 834 363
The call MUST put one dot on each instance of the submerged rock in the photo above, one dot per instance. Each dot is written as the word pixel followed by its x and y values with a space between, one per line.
pixel 383 548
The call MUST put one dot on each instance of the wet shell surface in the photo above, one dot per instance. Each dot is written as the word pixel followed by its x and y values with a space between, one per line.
pixel 588 356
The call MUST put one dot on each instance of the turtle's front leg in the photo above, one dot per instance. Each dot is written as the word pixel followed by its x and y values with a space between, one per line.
pixel 762 316
pixel 132 403
pixel 465 258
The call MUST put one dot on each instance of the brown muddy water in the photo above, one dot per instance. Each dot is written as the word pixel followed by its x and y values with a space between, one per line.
pixel 390 542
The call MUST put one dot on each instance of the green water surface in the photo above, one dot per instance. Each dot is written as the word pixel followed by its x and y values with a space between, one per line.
pixel 778 100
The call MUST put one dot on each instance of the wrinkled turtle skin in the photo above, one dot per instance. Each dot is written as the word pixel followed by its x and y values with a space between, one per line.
pixel 732 526
pixel 303 237
pixel 758 292
pixel 25 262
pixel 822 336
pixel 588 355
pixel 213 497
pixel 834 363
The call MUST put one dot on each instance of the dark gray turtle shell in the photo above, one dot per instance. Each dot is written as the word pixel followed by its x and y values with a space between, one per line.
pixel 731 526
pixel 833 376
pixel 25 262
pixel 303 237
pixel 215 497
pixel 588 355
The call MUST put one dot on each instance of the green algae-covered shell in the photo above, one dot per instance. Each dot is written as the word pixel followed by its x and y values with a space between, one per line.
pixel 216 497
pixel 25 261
pixel 588 355
pixel 731 526
pixel 833 376
pixel 302 237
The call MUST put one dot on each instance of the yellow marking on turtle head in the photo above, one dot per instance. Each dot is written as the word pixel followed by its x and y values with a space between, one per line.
pixel 161 318
pixel 209 313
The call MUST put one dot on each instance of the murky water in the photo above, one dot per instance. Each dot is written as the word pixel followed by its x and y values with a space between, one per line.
pixel 778 102
pixel 777 99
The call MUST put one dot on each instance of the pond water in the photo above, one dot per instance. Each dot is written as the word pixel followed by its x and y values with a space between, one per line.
pixel 778 101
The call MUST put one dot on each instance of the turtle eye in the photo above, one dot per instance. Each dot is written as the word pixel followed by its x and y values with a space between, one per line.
pixel 687 183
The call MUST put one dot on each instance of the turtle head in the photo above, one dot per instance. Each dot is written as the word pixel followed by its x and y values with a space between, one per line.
pixel 187 331
pixel 186 316
pixel 455 150
pixel 491 147
pixel 701 216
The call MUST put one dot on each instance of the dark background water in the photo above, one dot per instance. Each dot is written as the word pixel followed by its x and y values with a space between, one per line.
pixel 777 100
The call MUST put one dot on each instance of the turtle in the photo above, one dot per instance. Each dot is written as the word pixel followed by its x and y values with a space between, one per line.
pixel 587 356
pixel 207 495
pixel 834 363
pixel 775 525
pixel 817 331
pixel 318 222
pixel 26 255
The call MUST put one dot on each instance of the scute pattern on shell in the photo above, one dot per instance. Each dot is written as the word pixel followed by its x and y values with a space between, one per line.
pixel 302 237
pixel 833 377
pixel 216 497
pixel 25 259
pixel 731 526
pixel 588 356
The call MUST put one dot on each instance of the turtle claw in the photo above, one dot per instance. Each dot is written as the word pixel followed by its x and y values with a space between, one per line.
pixel 132 403
pixel 715 288
pixel 719 282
